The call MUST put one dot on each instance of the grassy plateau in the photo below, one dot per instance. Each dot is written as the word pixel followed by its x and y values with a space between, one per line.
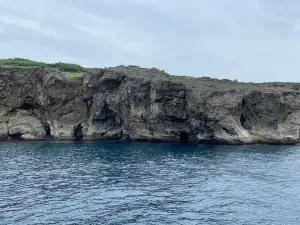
pixel 71 70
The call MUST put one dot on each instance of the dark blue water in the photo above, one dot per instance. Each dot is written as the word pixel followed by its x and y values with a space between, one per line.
pixel 143 183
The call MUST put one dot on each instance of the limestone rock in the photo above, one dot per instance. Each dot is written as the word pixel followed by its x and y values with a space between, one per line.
pixel 29 137
pixel 3 131
pixel 22 123
pixel 132 103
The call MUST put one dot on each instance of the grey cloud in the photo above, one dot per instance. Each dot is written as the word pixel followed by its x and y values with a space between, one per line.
pixel 250 40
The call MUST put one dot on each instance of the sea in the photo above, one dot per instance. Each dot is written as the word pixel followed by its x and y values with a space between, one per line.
pixel 107 182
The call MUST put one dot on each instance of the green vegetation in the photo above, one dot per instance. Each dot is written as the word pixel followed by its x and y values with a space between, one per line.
pixel 16 62
pixel 74 74
pixel 72 70
pixel 68 67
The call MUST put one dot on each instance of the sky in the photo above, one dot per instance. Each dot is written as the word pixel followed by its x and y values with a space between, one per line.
pixel 247 40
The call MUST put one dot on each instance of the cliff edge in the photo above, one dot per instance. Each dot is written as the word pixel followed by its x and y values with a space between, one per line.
pixel 132 103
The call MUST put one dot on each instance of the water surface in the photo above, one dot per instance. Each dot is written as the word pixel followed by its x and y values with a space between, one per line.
pixel 148 183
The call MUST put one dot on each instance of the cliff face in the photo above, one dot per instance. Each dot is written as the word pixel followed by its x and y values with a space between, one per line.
pixel 145 104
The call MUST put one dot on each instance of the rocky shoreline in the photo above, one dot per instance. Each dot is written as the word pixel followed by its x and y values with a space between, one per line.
pixel 137 104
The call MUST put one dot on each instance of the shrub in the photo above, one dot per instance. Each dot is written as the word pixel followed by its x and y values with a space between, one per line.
pixel 64 67
pixel 67 67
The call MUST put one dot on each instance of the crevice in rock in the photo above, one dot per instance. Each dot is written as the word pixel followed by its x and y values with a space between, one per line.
pixel 184 137
pixel 48 130
pixel 78 134
pixel 175 119
pixel 89 103
pixel 243 118
pixel 243 103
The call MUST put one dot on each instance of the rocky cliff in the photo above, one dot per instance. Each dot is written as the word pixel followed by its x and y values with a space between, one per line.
pixel 131 103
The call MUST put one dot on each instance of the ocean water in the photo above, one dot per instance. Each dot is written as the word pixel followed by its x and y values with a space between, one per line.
pixel 148 183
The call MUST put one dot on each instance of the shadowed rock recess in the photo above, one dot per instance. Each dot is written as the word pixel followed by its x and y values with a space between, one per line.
pixel 132 103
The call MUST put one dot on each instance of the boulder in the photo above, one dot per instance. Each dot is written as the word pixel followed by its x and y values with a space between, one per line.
pixel 29 137
pixel 22 123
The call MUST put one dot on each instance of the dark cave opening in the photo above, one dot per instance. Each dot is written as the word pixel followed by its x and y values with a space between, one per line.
pixel 78 135
pixel 184 137
pixel 48 130
pixel 243 103
pixel 27 106
pixel 243 118
pixel 28 103
pixel 15 137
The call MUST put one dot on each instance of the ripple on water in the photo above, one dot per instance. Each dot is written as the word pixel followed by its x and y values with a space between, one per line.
pixel 147 183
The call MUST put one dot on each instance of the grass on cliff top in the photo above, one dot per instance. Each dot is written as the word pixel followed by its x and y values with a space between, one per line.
pixel 74 74
pixel 63 67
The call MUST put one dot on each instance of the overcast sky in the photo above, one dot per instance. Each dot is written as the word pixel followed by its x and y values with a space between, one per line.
pixel 248 40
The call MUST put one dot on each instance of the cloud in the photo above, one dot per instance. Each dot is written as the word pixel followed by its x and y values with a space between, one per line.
pixel 250 40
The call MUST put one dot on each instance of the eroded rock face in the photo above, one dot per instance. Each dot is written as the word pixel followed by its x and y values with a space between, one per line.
pixel 131 103
pixel 3 131
pixel 22 123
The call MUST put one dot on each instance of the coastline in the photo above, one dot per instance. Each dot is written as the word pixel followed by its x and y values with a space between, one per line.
pixel 139 104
